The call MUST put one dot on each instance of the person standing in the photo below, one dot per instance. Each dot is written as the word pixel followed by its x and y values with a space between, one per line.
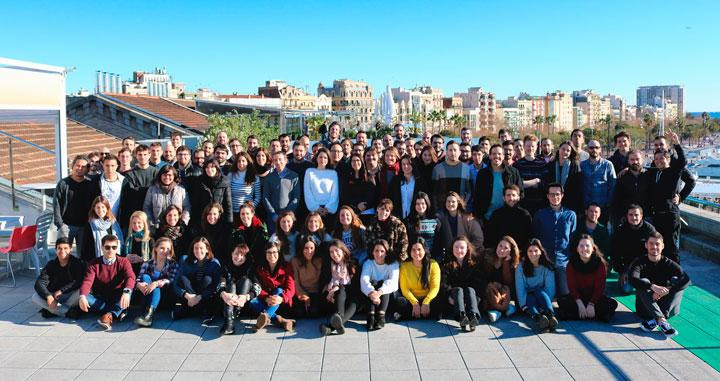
pixel 633 186
pixel 71 203
pixel 109 184
pixel 565 170
pixel 533 170
pixel 280 191
pixel 598 178
pixel 451 175
pixel 619 158
pixel 137 183
pixel 491 181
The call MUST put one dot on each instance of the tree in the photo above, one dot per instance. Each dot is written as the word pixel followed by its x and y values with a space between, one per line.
pixel 458 121
pixel 416 119
pixel 314 122
pixel 550 120
pixel 705 119
pixel 538 121
pixel 240 126
pixel 680 126
pixel 608 122
pixel 648 123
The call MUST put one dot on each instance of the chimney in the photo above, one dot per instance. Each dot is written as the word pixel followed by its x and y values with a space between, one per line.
pixel 98 82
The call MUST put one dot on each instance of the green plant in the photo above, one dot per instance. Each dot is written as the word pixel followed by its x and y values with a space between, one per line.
pixel 241 126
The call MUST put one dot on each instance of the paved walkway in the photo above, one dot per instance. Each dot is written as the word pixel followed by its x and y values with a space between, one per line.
pixel 57 349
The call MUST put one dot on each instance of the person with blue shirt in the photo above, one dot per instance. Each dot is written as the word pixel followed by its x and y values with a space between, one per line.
pixel 599 179
pixel 490 182
pixel 554 226
pixel 535 286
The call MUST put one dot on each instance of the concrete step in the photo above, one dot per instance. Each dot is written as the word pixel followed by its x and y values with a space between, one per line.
pixel 700 245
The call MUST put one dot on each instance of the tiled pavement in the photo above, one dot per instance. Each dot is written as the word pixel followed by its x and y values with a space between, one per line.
pixel 57 349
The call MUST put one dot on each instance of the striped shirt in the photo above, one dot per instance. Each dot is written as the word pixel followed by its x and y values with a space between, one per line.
pixel 242 193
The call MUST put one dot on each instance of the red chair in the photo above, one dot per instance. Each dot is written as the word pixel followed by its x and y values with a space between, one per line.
pixel 21 240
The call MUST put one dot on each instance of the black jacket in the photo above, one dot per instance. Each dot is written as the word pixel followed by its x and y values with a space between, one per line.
pixel 484 187
pixel 628 243
pixel 55 277
pixel 395 194
pixel 513 221
pixel 354 191
pixel 186 173
pixel 71 202
pixel 644 273
pixel 134 189
pixel 573 197
pixel 466 276
pixel 204 191
pixel 631 189
pixel 231 274
pixel 664 184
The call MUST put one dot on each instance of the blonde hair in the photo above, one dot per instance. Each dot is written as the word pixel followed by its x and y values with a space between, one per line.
pixel 143 217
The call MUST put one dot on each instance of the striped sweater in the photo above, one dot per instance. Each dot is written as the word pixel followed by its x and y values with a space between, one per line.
pixel 242 192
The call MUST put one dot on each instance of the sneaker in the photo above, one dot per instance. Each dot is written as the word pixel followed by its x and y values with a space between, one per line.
pixel 494 315
pixel 106 321
pixel 337 324
pixel 207 319
pixel 510 310
pixel 325 330
pixel 46 314
pixel 649 326
pixel 667 329
pixel 463 321
pixel 473 323
pixel 541 323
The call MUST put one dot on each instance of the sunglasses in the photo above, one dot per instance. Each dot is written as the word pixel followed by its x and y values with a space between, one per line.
pixel 110 247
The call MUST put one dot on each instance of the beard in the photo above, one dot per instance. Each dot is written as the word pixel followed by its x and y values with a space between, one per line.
pixel 635 167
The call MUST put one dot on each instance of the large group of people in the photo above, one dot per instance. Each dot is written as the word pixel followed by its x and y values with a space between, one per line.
pixel 396 228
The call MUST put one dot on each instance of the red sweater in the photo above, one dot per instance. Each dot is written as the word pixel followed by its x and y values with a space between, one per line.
pixel 108 281
pixel 282 278
pixel 586 286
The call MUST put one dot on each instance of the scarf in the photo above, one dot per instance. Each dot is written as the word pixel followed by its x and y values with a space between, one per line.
pixel 212 182
pixel 174 232
pixel 166 188
pixel 136 237
pixel 340 276
pixel 100 228
pixel 585 268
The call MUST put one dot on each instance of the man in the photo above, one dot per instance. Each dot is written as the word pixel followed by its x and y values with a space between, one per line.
pixel 509 152
pixel 659 284
pixel 358 149
pixel 361 138
pixel 554 226
pixel 533 171
pixel 94 163
pixel 686 176
pixel 427 138
pixel 484 143
pixel 577 138
pixel 410 147
pixel 299 164
pixel 108 284
pixel 598 178
pixel 334 133
pixel 400 147
pixel 451 175
pixel 222 139
pixel 156 152
pixel 465 153
pixel 437 144
pixel 169 154
pixel 490 182
pixel 388 141
pixel 547 150
pixel 592 227
pixel 109 183
pixel 477 162
pixel 235 147
pixel 399 131
pixel 221 155
pixel 208 147
pixel 253 144
pixel 347 145
pixel 136 185
pixel 633 185
pixel 198 158
pixel 57 289
pixel 620 157
pixel 176 140
pixel 628 243
pixel 285 142
pixel 184 165
pixel 466 135
pixel 281 189
pixel 518 150
pixel 336 155
pixel 275 146
pixel 71 203
pixel 125 161
pixel 510 219
pixel 664 196
pixel 129 143
pixel 504 136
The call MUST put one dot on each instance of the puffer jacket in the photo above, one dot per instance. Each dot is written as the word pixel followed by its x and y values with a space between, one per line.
pixel 205 190
pixel 157 201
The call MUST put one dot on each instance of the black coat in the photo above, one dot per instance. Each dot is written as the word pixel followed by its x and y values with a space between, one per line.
pixel 664 187
pixel 484 187
pixel 354 191
pixel 574 194
pixel 395 194
pixel 515 222
pixel 631 189
pixel 204 191
pixel 466 276
pixel 628 244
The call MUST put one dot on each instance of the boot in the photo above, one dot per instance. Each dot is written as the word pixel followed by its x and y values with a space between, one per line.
pixel 552 320
pixel 262 321
pixel 541 322
pixel 464 321
pixel 286 324
pixel 325 329
pixel 337 324
pixel 380 320
pixel 371 320
pixel 228 327
pixel 473 323
pixel 147 319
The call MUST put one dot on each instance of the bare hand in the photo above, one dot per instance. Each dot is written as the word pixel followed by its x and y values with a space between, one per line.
pixel 142 287
pixel 83 304
pixel 415 310
pixel 425 310
pixel 582 311
pixel 673 136
pixel 227 298
pixel 241 300
pixel 362 206
pixel 125 301
pixel 590 310
pixel 676 199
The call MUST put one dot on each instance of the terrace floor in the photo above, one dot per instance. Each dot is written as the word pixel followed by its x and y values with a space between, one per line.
pixel 58 349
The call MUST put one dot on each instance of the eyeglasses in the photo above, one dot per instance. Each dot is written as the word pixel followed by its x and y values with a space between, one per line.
pixel 555 194
pixel 593 147
pixel 110 247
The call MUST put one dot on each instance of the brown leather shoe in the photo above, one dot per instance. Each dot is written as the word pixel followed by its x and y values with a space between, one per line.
pixel 262 321
pixel 286 324
pixel 106 321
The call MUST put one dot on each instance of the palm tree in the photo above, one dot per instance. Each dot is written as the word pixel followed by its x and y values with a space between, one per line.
pixel 608 121
pixel 705 120
pixel 550 120
pixel 680 126
pixel 415 119
pixel 648 122
pixel 458 121
pixel 538 121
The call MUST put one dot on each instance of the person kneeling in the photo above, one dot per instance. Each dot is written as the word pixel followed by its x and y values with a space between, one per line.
pixel 535 286
pixel 463 281
pixel 586 274
pixel 342 287
pixel 238 285
pixel 378 281
pixel 659 283
pixel 108 283
pixel 277 285
pixel 196 283
pixel 419 284
pixel 57 289
pixel 156 278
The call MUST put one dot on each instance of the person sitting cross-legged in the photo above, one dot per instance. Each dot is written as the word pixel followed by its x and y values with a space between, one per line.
pixel 155 280
pixel 108 283
pixel 659 284
pixel 238 285
pixel 57 287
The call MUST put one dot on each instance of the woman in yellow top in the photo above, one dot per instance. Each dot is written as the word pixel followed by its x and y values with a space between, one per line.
pixel 419 285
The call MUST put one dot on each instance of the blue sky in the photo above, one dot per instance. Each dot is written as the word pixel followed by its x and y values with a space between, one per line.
pixel 505 47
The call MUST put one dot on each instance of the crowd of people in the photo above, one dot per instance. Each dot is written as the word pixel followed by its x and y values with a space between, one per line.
pixel 396 228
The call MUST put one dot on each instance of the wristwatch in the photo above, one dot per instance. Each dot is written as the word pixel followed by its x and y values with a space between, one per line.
pixel 127 291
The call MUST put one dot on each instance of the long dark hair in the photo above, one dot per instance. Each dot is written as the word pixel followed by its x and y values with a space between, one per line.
pixel 424 263
pixel 250 170
pixel 429 212
pixel 301 246
pixel 355 226
pixel 528 268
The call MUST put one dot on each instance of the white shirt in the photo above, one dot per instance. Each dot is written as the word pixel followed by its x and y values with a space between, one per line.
pixel 406 195
pixel 321 188
pixel 111 190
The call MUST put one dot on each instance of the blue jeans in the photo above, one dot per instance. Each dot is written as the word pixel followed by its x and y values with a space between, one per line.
pixel 152 299
pixel 98 305
pixel 537 300
pixel 73 233
pixel 259 305
pixel 561 284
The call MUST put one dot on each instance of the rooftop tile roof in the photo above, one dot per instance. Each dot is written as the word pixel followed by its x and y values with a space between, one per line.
pixel 172 110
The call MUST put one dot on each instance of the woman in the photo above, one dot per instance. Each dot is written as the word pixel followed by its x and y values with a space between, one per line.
pixel 320 187
pixel 389 228
pixel 138 244
pixel 211 187
pixel 286 234
pixel 196 283
pixel 238 285
pixel 250 230
pixel 404 188
pixel 341 287
pixel 535 286
pixel 175 229
pixel 455 222
pixel 586 273
pixel 101 222
pixel 425 163
pixel 360 190
pixel 419 285
pixel 314 226
pixel 378 281
pixel 262 162
pixel 216 231
pixel 500 265
pixel 390 169
pixel 165 191
pixel 463 282
pixel 244 183
pixel 155 280
pixel 307 266
pixel 423 222
pixel 277 289
pixel 565 170
pixel 350 230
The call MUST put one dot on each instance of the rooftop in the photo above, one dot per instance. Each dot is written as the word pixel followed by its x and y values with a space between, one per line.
pixel 167 108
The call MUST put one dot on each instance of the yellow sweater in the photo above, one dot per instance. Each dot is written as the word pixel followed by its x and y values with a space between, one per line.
pixel 411 286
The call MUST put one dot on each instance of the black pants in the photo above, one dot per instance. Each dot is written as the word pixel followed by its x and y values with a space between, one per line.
pixel 239 287
pixel 667 306
pixel 464 302
pixel 404 307
pixel 345 304
pixel 197 287
pixel 316 307
pixel 604 308
pixel 668 224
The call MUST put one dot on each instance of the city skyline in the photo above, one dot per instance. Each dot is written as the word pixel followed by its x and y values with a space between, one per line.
pixel 527 47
